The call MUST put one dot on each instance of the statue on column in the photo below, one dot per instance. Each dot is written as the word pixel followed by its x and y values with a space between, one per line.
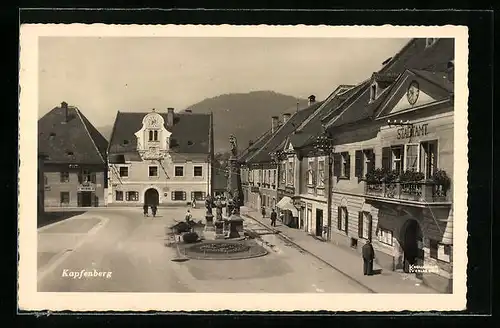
pixel 236 202
pixel 234 145
pixel 218 209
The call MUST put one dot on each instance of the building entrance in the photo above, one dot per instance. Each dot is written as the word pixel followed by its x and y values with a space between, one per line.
pixel 412 245
pixel 151 197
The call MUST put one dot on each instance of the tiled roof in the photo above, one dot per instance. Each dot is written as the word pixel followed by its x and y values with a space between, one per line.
pixel 190 133
pixel 415 55
pixel 250 150
pixel 438 78
pixel 220 180
pixel 74 141
pixel 263 154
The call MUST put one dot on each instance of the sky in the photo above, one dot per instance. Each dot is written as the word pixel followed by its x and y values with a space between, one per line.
pixel 103 75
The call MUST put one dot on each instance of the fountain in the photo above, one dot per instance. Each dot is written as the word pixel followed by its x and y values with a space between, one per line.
pixel 222 239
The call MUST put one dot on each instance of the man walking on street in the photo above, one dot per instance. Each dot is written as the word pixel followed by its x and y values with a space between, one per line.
pixel 263 211
pixel 368 256
pixel 274 216
pixel 145 209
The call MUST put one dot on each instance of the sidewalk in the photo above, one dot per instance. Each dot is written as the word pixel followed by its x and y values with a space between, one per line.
pixel 345 261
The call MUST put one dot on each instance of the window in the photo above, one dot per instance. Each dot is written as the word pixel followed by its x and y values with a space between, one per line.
pixel 119 195
pixel 439 251
pixel 123 171
pixel 342 165
pixel 64 195
pixel 365 225
pixel 153 171
pixel 412 157
pixel 364 162
pixel 132 196
pixel 392 158
pixel 373 92
pixel 64 176
pixel 153 135
pixel 283 173
pixel 274 177
pixel 269 176
pixel 198 171
pixel 87 177
pixel 178 195
pixel 429 42
pixel 428 158
pixel 310 172
pixel 179 171
pixel 342 218
pixel 290 172
pixel 321 173
pixel 384 236
pixel 198 195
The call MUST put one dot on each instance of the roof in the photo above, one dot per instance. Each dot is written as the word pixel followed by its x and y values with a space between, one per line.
pixel 73 141
pixel 438 78
pixel 189 133
pixel 263 154
pixel 220 180
pixel 415 55
pixel 250 150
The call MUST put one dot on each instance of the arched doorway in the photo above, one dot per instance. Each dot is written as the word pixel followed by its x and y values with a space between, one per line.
pixel 151 197
pixel 412 244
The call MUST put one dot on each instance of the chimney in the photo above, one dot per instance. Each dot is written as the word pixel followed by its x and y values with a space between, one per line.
pixel 170 117
pixel 64 106
pixel 312 99
pixel 286 117
pixel 274 123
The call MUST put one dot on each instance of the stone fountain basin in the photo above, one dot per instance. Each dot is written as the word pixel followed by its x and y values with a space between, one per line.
pixel 223 250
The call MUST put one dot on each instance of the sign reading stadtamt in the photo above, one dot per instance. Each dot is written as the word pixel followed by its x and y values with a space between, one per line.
pixel 86 187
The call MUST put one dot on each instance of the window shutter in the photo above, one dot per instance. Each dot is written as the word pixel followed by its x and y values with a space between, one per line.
pixel 360 224
pixel 93 178
pixel 336 164
pixel 183 195
pixel 173 195
pixel 204 195
pixel 192 195
pixel 386 158
pixel 346 221
pixel 358 165
pixel 80 178
pixel 339 218
pixel 370 227
pixel 348 166
pixel 79 199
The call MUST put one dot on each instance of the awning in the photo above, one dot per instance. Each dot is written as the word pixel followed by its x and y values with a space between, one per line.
pixel 286 203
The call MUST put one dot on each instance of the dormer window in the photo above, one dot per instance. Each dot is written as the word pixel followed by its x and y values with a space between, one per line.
pixel 429 42
pixel 373 92
pixel 153 135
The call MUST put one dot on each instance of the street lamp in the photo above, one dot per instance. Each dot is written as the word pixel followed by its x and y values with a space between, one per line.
pixel 325 145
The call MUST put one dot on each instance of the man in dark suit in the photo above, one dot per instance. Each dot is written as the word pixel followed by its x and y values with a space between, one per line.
pixel 274 216
pixel 368 256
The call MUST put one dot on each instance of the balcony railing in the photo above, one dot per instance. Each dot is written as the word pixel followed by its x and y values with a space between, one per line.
pixel 411 191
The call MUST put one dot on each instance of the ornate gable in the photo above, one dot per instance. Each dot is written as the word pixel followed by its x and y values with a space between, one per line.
pixel 153 139
pixel 411 91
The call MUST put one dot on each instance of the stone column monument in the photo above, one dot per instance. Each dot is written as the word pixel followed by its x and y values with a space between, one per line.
pixel 234 190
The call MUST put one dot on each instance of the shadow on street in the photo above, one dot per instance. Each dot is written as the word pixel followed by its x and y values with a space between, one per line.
pixel 52 217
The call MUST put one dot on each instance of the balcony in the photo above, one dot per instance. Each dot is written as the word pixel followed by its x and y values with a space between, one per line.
pixel 424 192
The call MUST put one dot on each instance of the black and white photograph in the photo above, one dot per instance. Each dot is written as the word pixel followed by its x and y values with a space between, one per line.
pixel 244 168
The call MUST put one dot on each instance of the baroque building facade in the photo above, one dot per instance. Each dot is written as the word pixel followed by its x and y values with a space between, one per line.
pixel 160 158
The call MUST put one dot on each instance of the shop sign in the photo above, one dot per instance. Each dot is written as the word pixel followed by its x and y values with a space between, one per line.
pixel 412 131
pixel 86 187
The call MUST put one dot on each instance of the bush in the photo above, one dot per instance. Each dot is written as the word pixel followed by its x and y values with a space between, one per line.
pixel 190 237
pixel 374 176
pixel 390 176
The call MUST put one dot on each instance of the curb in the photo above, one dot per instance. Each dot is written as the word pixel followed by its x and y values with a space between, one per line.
pixel 288 239
pixel 76 217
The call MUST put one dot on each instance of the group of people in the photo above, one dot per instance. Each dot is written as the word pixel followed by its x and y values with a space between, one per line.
pixel 146 207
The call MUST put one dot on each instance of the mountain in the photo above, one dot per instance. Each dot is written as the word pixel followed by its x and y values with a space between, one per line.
pixel 246 115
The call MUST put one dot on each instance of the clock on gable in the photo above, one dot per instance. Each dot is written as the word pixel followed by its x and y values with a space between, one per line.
pixel 412 92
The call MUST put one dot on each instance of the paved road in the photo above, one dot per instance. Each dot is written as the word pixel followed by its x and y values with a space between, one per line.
pixel 132 249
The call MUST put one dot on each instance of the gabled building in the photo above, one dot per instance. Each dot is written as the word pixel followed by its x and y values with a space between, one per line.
pixel 161 158
pixel 266 166
pixel 74 166
pixel 393 162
